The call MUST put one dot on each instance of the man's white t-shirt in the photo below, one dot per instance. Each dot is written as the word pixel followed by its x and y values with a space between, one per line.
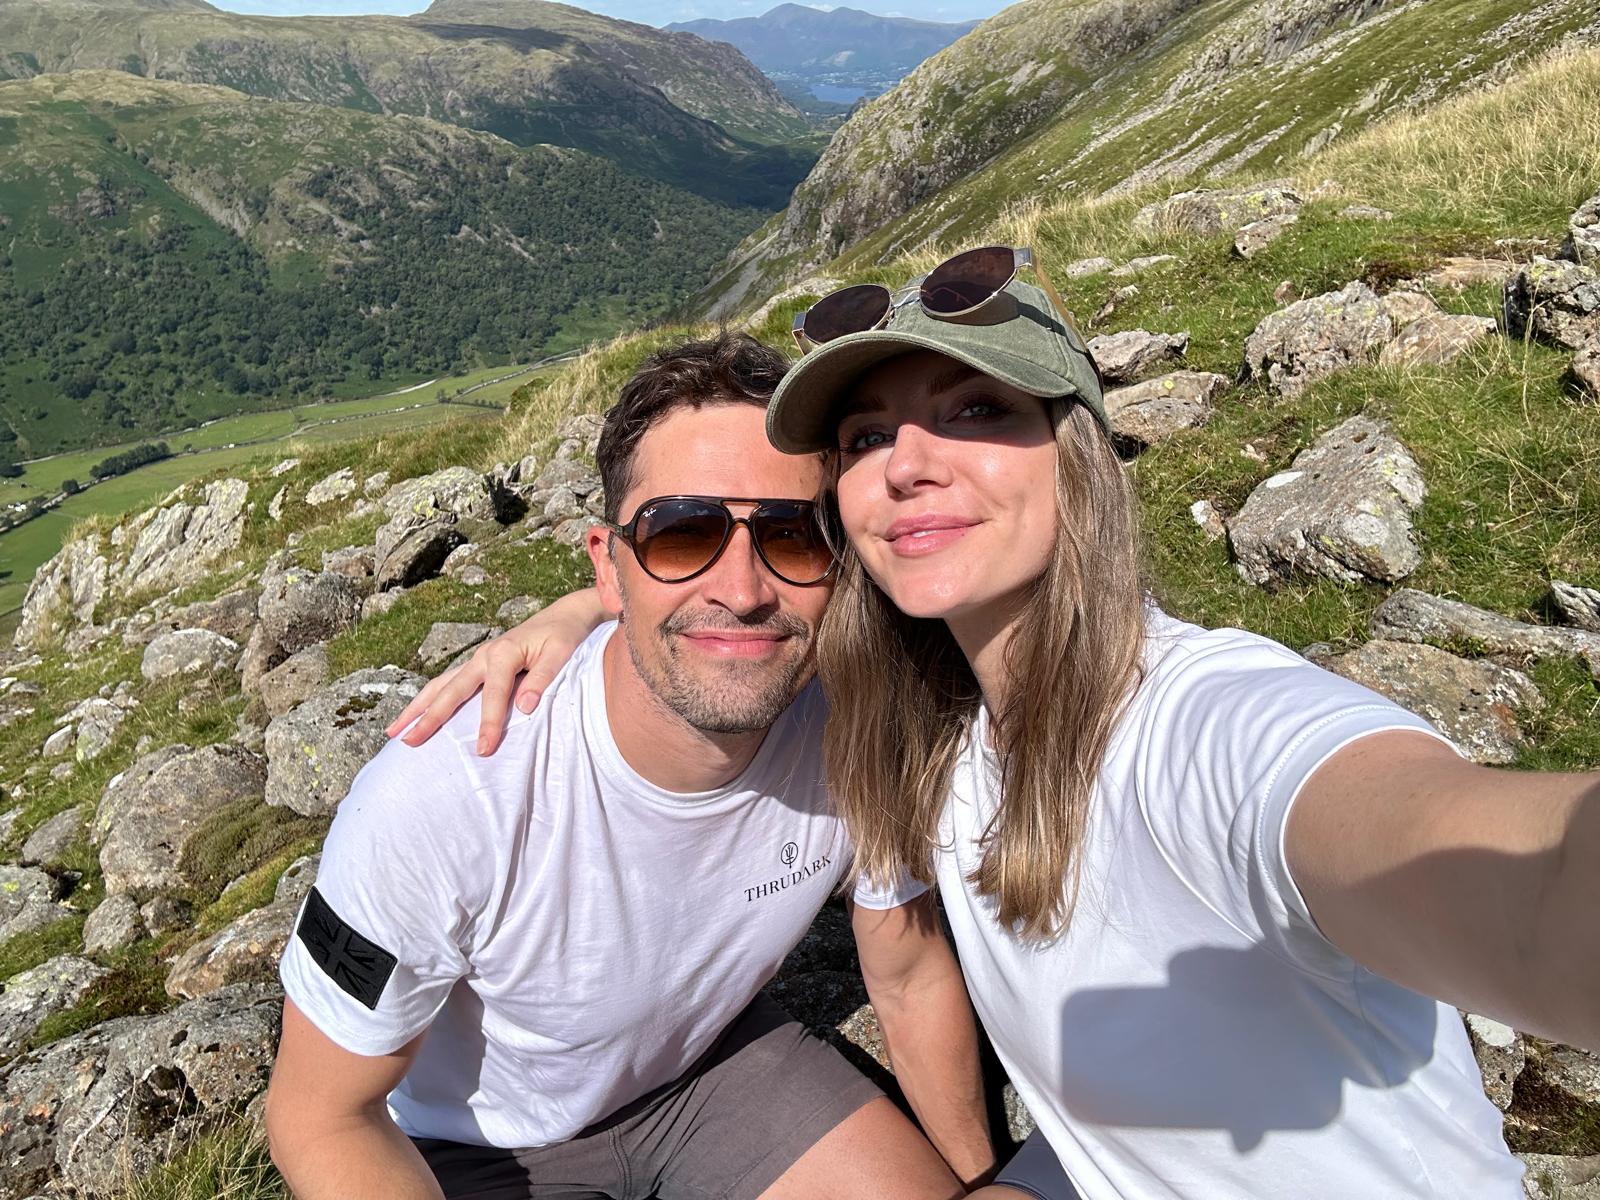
pixel 571 936
pixel 1193 1034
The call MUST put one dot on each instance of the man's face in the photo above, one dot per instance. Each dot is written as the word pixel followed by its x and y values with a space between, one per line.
pixel 729 649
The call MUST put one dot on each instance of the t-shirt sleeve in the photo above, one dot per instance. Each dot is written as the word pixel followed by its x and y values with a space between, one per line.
pixel 1231 734
pixel 384 935
pixel 902 890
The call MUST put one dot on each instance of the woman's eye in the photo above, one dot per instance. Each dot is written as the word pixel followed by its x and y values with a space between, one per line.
pixel 979 410
pixel 866 439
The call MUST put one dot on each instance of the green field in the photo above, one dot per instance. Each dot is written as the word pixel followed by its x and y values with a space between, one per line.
pixel 218 445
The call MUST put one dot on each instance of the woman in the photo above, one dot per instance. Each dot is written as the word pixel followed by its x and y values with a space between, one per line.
pixel 1202 890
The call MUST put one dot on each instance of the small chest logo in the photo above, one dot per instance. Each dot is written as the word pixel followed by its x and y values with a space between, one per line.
pixel 789 853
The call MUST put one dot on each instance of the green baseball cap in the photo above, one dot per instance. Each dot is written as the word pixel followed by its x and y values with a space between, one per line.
pixel 1018 338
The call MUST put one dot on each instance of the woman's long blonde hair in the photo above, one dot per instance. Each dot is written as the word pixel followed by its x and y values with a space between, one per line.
pixel 903 697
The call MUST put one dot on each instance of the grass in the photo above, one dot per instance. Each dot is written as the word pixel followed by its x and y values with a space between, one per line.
pixel 229 1164
pixel 24 951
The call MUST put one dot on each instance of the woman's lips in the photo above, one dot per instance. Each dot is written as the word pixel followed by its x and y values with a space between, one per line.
pixel 912 537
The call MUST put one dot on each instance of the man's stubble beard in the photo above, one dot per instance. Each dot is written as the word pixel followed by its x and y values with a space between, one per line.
pixel 736 697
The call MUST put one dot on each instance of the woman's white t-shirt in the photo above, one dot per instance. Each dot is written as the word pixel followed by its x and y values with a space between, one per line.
pixel 1193 1034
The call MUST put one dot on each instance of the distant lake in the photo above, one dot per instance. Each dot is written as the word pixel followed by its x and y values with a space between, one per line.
pixel 835 94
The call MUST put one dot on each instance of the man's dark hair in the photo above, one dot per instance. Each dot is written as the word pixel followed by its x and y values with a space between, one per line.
pixel 731 368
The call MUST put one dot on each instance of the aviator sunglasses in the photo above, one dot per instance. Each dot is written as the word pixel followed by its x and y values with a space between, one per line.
pixel 956 288
pixel 676 538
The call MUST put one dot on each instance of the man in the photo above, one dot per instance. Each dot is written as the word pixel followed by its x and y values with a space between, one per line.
pixel 538 974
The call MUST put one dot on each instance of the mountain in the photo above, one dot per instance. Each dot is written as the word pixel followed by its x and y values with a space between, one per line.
pixel 673 106
pixel 171 252
pixel 794 41
pixel 1054 98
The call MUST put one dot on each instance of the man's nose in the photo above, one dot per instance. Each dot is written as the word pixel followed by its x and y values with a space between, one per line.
pixel 739 581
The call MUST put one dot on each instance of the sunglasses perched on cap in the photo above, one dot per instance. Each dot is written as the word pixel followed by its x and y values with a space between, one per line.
pixel 677 538
pixel 958 287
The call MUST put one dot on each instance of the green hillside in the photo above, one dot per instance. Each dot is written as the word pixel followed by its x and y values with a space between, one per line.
pixel 1059 98
pixel 173 252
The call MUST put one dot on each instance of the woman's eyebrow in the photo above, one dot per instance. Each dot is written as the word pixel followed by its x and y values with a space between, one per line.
pixel 954 377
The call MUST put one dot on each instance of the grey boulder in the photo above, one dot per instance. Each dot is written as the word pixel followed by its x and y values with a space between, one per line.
pixel 1131 355
pixel 1578 606
pixel 1556 302
pixel 1341 511
pixel 1317 336
pixel 455 491
pixel 188 652
pixel 1471 702
pixel 27 900
pixel 1582 243
pixel 114 923
pixel 48 844
pixel 1148 413
pixel 245 951
pixel 449 638
pixel 295 680
pixel 1212 211
pixel 1412 616
pixel 410 552
pixel 301 607
pixel 1583 376
pixel 176 543
pixel 1255 237
pixel 29 999
pixel 1501 1055
pixel 315 750
pixel 1436 340
pixel 332 487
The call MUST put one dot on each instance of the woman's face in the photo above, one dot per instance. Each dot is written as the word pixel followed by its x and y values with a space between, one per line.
pixel 947 486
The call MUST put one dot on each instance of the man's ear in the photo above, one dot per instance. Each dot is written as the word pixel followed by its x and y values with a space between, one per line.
pixel 600 542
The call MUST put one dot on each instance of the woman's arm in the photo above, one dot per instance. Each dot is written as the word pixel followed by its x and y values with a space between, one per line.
pixel 1473 885
pixel 536 650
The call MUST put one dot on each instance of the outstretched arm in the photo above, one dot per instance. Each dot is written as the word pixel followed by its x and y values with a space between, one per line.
pixel 1474 885
pixel 536 651
pixel 921 1001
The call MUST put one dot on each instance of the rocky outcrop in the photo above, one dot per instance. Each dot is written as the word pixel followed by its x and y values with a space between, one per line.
pixel 1412 616
pixel 1561 1177
pixel 188 652
pixel 1501 1054
pixel 65 590
pixel 93 1110
pixel 27 900
pixel 1434 341
pixel 29 999
pixel 1133 354
pixel 300 608
pixel 1258 235
pixel 49 844
pixel 1207 212
pixel 1342 511
pixel 295 680
pixel 1473 703
pixel 149 814
pixel 249 948
pixel 315 750
pixel 232 615
pixel 447 639
pixel 114 923
pixel 1578 606
pixel 1317 336
pixel 333 487
pixel 1582 243
pixel 1148 413
pixel 1556 302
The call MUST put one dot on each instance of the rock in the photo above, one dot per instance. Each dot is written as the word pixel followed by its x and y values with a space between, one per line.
pixel 297 879
pixel 376 484
pixel 1579 606
pixel 63 771
pixel 1412 616
pixel 1116 300
pixel 1206 516
pixel 861 1030
pixel 353 562
pixel 243 952
pixel 1406 307
pixel 295 680
pixel 49 844
pixel 1436 340
pixel 1135 353
pixel 65 590
pixel 460 559
pixel 1138 266
pixel 1583 376
pixel 1342 511
pixel 1208 212
pixel 1019 1121
pixel 449 638
pixel 518 609
pixel 163 914
pixel 283 468
pixel 114 923
pixel 315 750
pixel 333 487
pixel 1556 302
pixel 1255 237
pixel 1500 1053
pixel 1148 413
pixel 473 576
pixel 27 900
pixel 105 1106
pixel 1582 244
pixel 28 999
pixel 1087 266
pixel 415 554
pixel 1365 212
pixel 60 741
pixel 175 544
pixel 1459 274
pixel 574 532
pixel 1561 1177
pixel 380 603
pixel 455 491
pixel 1473 703
pixel 1316 337
pixel 188 652
pixel 275 505
pixel 98 722
pixel 300 608
pixel 149 814
pixel 576 476
pixel 1573 1072
pixel 232 615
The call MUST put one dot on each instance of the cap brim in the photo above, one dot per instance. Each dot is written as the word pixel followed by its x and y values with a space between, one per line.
pixel 802 415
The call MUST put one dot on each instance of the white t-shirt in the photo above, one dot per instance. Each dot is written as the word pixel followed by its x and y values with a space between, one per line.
pixel 571 936
pixel 1193 1034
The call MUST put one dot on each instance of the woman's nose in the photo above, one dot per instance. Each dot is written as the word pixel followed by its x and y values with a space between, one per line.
pixel 917 459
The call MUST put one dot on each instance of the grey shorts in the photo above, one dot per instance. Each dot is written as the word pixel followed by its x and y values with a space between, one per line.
pixel 765 1094
pixel 1036 1171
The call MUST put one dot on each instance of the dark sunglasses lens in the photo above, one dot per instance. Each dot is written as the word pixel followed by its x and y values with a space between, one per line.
pixel 676 538
pixel 789 537
pixel 850 310
pixel 967 280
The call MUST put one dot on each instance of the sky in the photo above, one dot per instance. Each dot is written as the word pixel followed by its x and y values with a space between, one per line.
pixel 649 12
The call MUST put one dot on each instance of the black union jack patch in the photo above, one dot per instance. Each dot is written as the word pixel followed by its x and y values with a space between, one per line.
pixel 359 966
